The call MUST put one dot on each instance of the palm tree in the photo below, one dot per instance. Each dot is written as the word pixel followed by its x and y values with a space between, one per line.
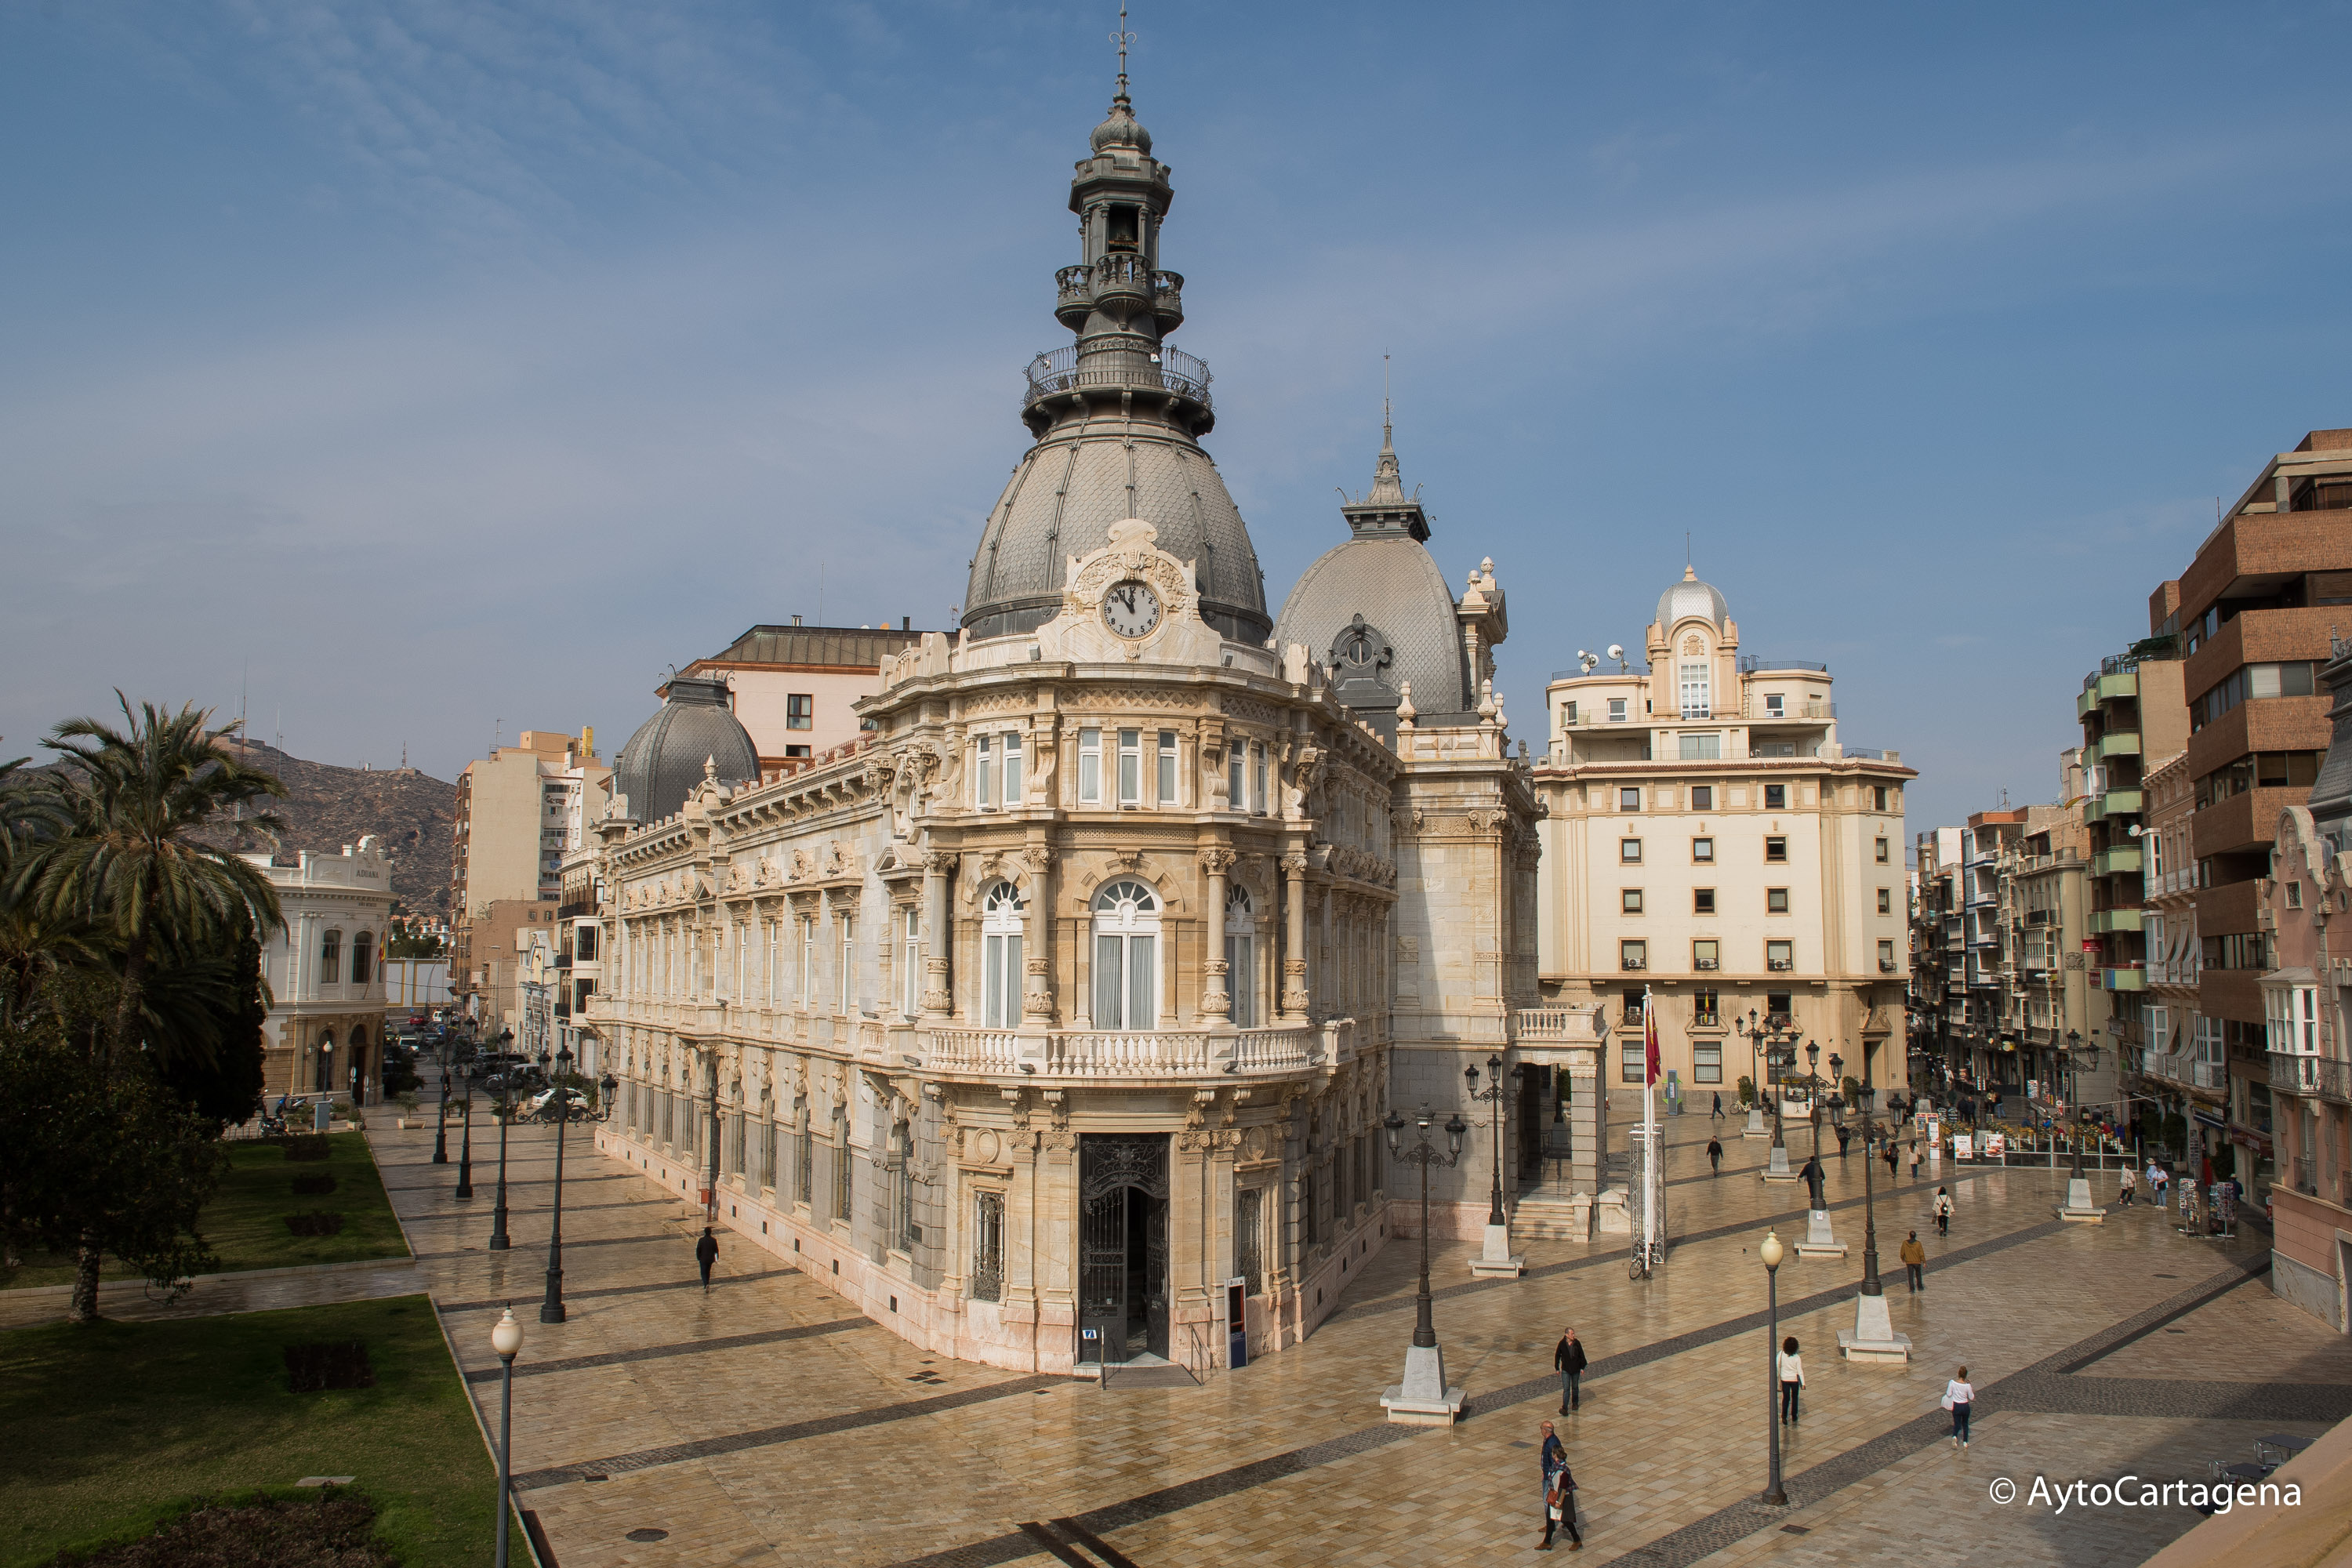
pixel 129 863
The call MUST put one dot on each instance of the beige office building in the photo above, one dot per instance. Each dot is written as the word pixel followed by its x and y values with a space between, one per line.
pixel 518 811
pixel 1710 839
pixel 795 689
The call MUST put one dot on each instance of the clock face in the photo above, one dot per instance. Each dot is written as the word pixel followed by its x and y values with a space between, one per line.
pixel 1130 608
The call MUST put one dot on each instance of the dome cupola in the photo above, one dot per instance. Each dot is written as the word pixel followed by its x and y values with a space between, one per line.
pixel 1692 598
pixel 694 731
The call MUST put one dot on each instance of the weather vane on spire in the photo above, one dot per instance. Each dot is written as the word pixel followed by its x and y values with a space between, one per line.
pixel 1122 38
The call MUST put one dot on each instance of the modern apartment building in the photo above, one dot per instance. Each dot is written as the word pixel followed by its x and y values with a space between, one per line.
pixel 2178 1051
pixel 2252 615
pixel 796 688
pixel 1711 841
pixel 517 810
pixel 2131 709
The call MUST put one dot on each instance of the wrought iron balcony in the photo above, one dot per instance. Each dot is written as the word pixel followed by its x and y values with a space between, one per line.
pixel 2320 1077
pixel 1059 372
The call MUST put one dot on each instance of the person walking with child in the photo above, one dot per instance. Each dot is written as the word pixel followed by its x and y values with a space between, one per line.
pixel 1559 1493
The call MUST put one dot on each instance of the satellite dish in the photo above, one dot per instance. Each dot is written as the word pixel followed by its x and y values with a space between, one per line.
pixel 1616 650
pixel 2134 830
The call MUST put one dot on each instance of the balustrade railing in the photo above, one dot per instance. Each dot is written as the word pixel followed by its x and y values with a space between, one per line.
pixel 2320 1077
pixel 1061 370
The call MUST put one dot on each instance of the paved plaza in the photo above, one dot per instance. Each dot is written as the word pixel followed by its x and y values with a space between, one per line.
pixel 764 1422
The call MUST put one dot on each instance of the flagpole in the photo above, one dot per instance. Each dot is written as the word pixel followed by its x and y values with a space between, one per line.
pixel 1652 1188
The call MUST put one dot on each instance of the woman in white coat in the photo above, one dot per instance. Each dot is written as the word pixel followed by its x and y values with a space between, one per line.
pixel 1792 1378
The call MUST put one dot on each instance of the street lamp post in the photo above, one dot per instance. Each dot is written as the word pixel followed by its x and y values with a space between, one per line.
pixel 441 1111
pixel 551 1308
pixel 505 1338
pixel 1870 1281
pixel 1424 1397
pixel 505 1113
pixel 1774 1493
pixel 2079 1206
pixel 1494 1259
pixel 1873 1337
pixel 465 1076
pixel 1754 1030
pixel 1814 1093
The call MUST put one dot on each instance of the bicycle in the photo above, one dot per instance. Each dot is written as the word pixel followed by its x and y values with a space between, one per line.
pixel 1647 1257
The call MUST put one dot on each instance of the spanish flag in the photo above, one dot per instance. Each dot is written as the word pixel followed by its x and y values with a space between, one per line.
pixel 1650 1036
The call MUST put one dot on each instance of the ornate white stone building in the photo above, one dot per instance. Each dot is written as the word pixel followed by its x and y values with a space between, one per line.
pixel 324 966
pixel 1062 1008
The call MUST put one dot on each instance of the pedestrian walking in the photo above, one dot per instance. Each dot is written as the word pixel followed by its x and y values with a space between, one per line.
pixel 1893 1158
pixel 1715 1156
pixel 1845 1136
pixel 1915 1159
pixel 1568 1360
pixel 2155 1184
pixel 1914 1260
pixel 1943 1211
pixel 1959 1395
pixel 706 1253
pixel 1792 1379
pixel 2127 1181
pixel 1559 1493
pixel 1719 1107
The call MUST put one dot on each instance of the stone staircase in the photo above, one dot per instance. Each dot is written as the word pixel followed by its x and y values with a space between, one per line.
pixel 1550 1219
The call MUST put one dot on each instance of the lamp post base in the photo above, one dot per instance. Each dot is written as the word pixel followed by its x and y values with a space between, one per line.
pixel 1777 1168
pixel 1872 1336
pixel 1495 1259
pixel 1820 1240
pixel 1756 1127
pixel 1424 1398
pixel 2080 1208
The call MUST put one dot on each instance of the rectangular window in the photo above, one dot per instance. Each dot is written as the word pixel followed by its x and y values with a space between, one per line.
pixel 1011 794
pixel 1885 901
pixel 1776 901
pixel 848 930
pixel 1706 1009
pixel 1090 767
pixel 331 958
pixel 1634 1060
pixel 1706 1061
pixel 844 1170
pixel 800 710
pixel 910 959
pixel 983 774
pixel 1628 800
pixel 1634 954
pixel 775 956
pixel 1775 705
pixel 1705 955
pixel 988 1248
pixel 1702 900
pixel 1777 1005
pixel 1703 851
pixel 1632 1006
pixel 1878 797
pixel 1570 719
pixel 1779 957
pixel 1617 710
pixel 1130 767
pixel 1695 689
pixel 1882 851
pixel 1629 899
pixel 1628 851
pixel 1704 748
pixel 1236 781
pixel 1702 797
pixel 1167 779
pixel 1886 958
pixel 1257 778
pixel 1776 797
pixel 807 996
pixel 1776 850
pixel 1000 980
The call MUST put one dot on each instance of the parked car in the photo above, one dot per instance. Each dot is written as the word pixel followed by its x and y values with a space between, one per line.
pixel 540 1107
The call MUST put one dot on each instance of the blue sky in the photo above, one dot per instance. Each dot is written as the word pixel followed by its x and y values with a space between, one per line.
pixel 457 367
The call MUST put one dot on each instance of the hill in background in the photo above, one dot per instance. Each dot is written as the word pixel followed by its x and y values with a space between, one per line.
pixel 327 807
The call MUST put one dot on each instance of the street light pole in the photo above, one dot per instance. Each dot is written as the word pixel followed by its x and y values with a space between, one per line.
pixel 441 1111
pixel 1494 1096
pixel 466 1145
pixel 505 1338
pixel 2074 1095
pixel 1870 1281
pixel 1813 1093
pixel 1774 1493
pixel 505 1111
pixel 551 1308
pixel 1423 1396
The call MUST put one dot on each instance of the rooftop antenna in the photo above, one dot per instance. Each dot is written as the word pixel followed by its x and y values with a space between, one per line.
pixel 1387 437
pixel 819 593
pixel 1122 38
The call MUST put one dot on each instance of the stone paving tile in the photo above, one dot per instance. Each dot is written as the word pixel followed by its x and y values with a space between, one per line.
pixel 1657 1446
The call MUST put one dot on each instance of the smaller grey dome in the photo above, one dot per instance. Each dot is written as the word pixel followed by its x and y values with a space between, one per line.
pixel 1692 598
pixel 664 760
pixel 1122 128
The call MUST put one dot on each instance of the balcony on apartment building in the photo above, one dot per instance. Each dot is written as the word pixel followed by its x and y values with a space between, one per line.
pixel 2121 858
pixel 2260 724
pixel 2242 821
pixel 2114 743
pixel 2128 802
pixel 2231 907
pixel 2123 977
pixel 2261 637
pixel 2101 922
pixel 2314 1077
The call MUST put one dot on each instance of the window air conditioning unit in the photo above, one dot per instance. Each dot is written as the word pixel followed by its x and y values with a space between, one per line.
pixel 1632 963
pixel 1782 963
pixel 1705 964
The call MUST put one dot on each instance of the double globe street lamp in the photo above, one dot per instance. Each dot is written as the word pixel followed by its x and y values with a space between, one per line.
pixel 1423 1396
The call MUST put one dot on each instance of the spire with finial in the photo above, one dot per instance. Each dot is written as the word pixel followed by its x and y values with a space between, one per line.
pixel 1385 508
pixel 1122 130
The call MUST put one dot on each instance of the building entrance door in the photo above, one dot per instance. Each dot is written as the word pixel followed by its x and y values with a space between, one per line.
pixel 1123 1241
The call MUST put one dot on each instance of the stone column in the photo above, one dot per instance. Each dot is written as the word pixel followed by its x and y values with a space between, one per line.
pixel 1216 998
pixel 938 937
pixel 1294 957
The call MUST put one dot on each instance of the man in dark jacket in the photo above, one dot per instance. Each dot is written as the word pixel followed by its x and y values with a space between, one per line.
pixel 1568 1360
pixel 705 1252
pixel 1715 1156
pixel 1557 1483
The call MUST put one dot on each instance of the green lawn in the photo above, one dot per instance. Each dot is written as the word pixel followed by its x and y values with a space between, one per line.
pixel 108 1428
pixel 246 1221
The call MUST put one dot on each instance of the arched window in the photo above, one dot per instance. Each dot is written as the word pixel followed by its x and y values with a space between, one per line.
pixel 1241 956
pixel 1126 956
pixel 357 1071
pixel 362 958
pixel 1002 912
pixel 331 958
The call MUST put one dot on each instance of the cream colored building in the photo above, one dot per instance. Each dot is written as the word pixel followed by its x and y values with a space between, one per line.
pixel 325 972
pixel 1708 838
pixel 517 811
pixel 1055 1017
pixel 796 689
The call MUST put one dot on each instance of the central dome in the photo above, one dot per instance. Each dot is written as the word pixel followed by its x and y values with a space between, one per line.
pixel 1692 598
